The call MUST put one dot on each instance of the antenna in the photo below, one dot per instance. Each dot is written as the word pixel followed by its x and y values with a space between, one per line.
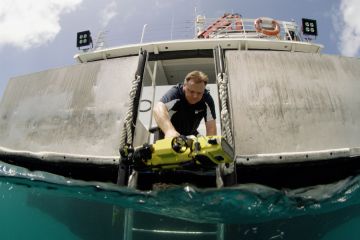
pixel 143 32
pixel 172 27
pixel 195 27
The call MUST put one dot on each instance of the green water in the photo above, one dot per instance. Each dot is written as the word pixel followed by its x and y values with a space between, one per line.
pixel 38 205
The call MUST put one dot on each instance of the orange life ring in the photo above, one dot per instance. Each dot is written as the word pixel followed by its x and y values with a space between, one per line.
pixel 270 32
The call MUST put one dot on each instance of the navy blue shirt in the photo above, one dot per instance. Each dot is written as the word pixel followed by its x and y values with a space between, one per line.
pixel 186 117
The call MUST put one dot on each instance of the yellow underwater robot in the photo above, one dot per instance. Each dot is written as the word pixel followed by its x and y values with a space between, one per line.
pixel 204 152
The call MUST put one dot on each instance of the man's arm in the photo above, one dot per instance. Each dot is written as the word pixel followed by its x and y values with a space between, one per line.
pixel 162 119
pixel 210 127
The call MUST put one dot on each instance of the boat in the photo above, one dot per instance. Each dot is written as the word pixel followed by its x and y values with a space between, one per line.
pixel 288 113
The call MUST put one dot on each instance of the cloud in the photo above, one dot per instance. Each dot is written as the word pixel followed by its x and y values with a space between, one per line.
pixel 108 13
pixel 348 24
pixel 26 23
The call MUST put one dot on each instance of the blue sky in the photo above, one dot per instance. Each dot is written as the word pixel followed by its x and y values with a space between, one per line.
pixel 38 35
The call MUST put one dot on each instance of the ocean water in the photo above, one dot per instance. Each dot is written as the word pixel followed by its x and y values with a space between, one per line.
pixel 39 205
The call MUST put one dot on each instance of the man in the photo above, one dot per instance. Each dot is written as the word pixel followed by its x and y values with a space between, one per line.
pixel 182 108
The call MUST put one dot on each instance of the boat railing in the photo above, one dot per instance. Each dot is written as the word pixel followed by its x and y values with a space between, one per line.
pixel 245 28
pixel 235 28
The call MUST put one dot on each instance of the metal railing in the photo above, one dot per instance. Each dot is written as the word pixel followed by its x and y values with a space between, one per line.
pixel 288 30
pixel 165 31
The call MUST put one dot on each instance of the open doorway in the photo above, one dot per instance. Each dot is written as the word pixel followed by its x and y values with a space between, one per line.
pixel 160 75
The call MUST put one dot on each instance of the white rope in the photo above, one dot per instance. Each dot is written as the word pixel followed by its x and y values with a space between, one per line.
pixel 224 114
pixel 222 80
pixel 126 134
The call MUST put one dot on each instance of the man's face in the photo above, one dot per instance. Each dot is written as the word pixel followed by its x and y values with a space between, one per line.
pixel 194 91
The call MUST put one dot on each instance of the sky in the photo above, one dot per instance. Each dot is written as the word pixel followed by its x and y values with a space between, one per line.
pixel 36 35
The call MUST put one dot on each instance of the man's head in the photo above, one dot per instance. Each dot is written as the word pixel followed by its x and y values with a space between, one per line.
pixel 194 86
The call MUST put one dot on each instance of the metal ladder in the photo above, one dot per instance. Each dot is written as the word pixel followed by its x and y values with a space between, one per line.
pixel 130 229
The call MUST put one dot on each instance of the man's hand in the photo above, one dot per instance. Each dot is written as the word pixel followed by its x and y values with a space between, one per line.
pixel 210 128
pixel 162 119
pixel 171 133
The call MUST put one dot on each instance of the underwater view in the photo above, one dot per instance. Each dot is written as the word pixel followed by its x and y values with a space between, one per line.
pixel 39 205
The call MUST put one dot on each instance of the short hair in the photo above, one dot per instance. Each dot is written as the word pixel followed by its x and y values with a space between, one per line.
pixel 197 76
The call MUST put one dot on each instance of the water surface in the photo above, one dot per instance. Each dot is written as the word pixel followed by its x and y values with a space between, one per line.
pixel 39 205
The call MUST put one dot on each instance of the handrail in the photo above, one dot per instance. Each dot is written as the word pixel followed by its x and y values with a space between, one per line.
pixel 185 30
pixel 288 30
